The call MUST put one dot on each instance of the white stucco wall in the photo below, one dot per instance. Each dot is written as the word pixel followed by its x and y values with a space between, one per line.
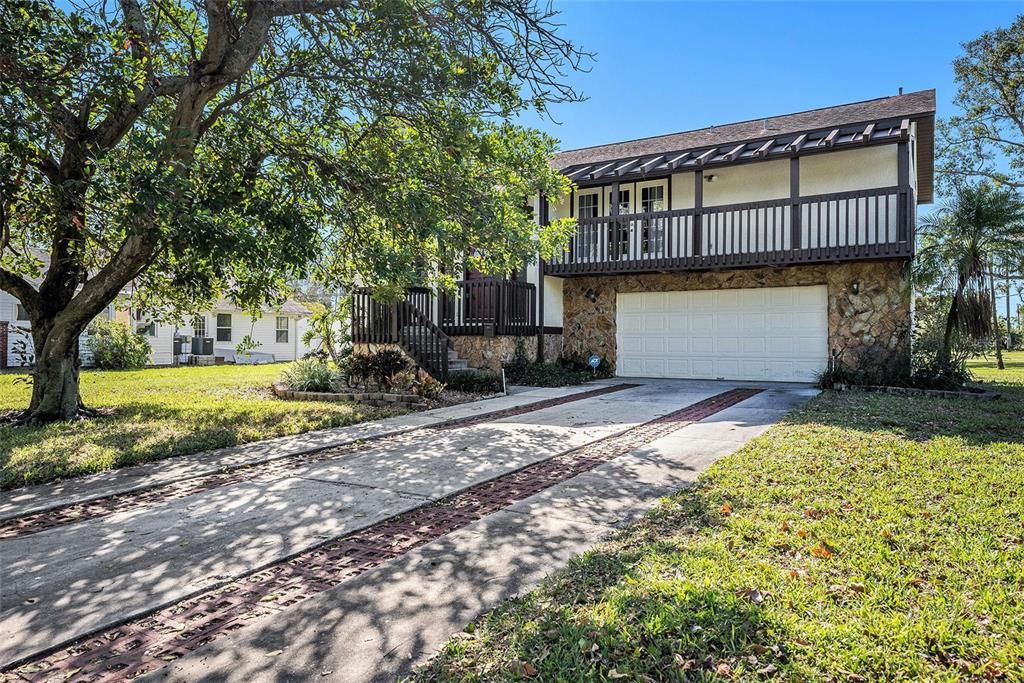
pixel 553 314
pixel 847 170
pixel 753 182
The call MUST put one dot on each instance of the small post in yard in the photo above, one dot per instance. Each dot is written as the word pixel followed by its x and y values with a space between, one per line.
pixel 3 344
pixel 594 361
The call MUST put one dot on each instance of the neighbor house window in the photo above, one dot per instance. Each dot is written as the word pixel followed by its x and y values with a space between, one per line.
pixel 223 327
pixel 282 329
pixel 142 325
pixel 199 326
pixel 20 313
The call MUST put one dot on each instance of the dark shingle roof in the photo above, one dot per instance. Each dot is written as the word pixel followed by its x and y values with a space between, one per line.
pixel 911 105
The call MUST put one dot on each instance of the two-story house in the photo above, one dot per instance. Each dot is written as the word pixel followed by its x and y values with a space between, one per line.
pixel 760 250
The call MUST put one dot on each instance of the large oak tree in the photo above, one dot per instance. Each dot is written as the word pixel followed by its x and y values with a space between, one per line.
pixel 187 149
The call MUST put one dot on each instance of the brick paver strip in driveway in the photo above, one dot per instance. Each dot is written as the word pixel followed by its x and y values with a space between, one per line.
pixel 139 498
pixel 148 643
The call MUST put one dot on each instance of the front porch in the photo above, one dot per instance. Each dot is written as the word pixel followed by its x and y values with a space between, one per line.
pixel 479 322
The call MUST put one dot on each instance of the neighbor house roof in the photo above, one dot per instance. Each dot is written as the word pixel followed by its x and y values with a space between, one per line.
pixel 289 307
pixel 870 121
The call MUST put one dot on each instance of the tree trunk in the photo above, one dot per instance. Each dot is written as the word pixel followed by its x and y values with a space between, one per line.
pixel 947 337
pixel 55 385
pixel 995 321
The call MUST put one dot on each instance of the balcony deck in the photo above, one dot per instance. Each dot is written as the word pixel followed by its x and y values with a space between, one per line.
pixel 859 225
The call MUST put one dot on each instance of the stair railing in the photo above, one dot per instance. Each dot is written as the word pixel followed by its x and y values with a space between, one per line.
pixel 407 323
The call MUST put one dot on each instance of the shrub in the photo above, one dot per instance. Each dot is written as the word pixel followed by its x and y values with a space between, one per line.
pixel 378 368
pixel 309 374
pixel 474 381
pixel 429 388
pixel 402 382
pixel 605 370
pixel 548 375
pixel 115 346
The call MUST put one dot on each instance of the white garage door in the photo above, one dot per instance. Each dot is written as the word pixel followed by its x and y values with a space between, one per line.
pixel 773 334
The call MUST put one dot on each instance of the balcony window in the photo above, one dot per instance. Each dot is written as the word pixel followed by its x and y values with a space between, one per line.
pixel 588 205
pixel 589 234
pixel 620 250
pixel 652 234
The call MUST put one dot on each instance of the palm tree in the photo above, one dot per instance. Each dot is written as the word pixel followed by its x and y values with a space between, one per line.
pixel 981 225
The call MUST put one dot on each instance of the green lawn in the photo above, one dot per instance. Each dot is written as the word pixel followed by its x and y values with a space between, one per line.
pixel 985 370
pixel 867 538
pixel 158 413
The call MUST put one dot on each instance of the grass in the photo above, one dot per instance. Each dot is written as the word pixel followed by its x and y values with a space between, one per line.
pixel 866 538
pixel 984 368
pixel 159 413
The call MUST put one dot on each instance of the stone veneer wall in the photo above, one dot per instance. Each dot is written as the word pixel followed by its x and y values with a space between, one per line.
pixel 486 353
pixel 490 353
pixel 870 327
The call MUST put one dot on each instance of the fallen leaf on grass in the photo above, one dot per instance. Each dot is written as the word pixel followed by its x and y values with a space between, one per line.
pixel 852 676
pixel 822 551
pixel 752 594
pixel 726 509
pixel 784 526
pixel 684 664
pixel 520 668
pixel 802 533
pixel 724 670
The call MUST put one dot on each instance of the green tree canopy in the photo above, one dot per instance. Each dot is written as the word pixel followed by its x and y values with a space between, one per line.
pixel 228 146
pixel 980 226
pixel 986 140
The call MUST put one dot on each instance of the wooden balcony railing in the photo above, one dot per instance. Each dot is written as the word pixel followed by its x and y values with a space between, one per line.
pixel 865 224
pixel 407 323
pixel 490 306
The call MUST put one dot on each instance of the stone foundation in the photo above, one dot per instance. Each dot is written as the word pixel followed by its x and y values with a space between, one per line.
pixel 870 327
pixel 490 353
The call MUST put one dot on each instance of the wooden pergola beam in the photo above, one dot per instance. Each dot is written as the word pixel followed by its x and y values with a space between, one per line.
pixel 798 143
pixel 627 167
pixel 579 171
pixel 736 151
pixel 763 150
pixel 601 170
pixel 705 156
pixel 676 161
pixel 653 163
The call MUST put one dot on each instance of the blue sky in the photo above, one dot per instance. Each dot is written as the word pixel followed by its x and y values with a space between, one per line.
pixel 663 67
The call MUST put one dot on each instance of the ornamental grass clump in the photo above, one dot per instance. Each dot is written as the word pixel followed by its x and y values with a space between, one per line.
pixel 309 374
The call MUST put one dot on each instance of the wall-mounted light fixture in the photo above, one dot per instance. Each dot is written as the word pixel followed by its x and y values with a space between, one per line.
pixel 855 286
pixel 592 295
pixel 710 178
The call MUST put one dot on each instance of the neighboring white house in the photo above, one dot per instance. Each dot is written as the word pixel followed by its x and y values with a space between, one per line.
pixel 277 333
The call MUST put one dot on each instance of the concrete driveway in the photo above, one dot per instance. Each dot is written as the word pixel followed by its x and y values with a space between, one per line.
pixel 74 579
